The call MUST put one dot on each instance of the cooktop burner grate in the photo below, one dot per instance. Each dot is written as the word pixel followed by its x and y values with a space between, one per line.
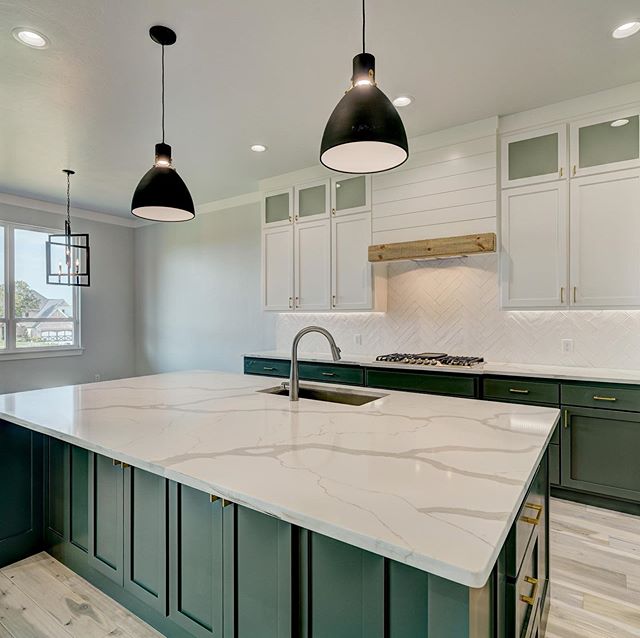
pixel 431 359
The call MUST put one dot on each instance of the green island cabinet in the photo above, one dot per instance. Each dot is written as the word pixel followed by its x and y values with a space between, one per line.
pixel 197 566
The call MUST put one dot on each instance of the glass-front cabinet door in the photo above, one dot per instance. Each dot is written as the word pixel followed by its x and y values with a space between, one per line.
pixel 605 143
pixel 277 208
pixel 350 194
pixel 534 157
pixel 312 201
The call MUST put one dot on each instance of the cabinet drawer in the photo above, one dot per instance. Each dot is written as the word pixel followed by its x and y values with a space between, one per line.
pixel 515 390
pixel 524 594
pixel 353 375
pixel 608 397
pixel 461 385
pixel 554 464
pixel 529 518
pixel 267 367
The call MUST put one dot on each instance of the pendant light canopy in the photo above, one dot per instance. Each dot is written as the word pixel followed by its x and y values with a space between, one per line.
pixel 364 133
pixel 161 195
pixel 68 253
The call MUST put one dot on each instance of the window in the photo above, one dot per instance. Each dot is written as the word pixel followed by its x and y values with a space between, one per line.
pixel 34 316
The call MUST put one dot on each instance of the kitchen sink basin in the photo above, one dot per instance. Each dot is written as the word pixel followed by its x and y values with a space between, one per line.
pixel 316 393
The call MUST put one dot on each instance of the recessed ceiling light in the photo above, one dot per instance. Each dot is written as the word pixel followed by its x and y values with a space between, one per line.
pixel 30 38
pixel 617 123
pixel 402 100
pixel 258 148
pixel 625 30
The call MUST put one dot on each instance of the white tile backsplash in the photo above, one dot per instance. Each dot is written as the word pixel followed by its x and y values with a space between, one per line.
pixel 453 306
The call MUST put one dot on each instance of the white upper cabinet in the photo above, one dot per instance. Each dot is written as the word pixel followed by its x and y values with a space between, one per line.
pixel 277 208
pixel 350 194
pixel 312 272
pixel 605 143
pixel 534 157
pixel 312 201
pixel 277 268
pixel 605 240
pixel 351 271
pixel 534 246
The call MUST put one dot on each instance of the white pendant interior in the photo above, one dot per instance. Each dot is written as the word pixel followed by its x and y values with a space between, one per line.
pixel 364 157
pixel 163 214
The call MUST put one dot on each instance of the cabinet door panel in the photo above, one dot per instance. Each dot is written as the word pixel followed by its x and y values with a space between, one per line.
pixel 21 506
pixel 312 201
pixel 351 270
pixel 277 268
pixel 56 460
pixel 605 239
pixel 106 540
pixel 277 208
pixel 343 590
pixel 145 529
pixel 79 533
pixel 534 223
pixel 351 194
pixel 600 452
pixel 195 548
pixel 312 276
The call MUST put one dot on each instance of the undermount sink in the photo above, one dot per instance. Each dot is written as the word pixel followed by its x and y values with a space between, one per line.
pixel 315 393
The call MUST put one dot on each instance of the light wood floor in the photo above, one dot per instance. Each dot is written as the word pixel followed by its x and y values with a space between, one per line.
pixel 595 592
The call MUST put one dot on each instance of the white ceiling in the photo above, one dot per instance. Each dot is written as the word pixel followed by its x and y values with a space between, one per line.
pixel 253 71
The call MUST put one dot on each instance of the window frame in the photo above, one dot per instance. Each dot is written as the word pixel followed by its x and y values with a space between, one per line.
pixel 10 321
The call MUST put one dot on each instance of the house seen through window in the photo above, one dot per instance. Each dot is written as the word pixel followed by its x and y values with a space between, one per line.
pixel 33 314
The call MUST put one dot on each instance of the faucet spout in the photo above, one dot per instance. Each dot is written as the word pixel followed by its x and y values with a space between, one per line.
pixel 294 378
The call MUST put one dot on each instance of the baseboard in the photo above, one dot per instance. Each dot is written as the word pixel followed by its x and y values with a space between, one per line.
pixel 626 507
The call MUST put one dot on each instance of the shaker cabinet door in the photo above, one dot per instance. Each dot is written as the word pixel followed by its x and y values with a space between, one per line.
pixel 312 257
pixel 277 268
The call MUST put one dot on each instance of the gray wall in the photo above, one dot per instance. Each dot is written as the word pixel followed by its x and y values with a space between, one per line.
pixel 107 311
pixel 198 292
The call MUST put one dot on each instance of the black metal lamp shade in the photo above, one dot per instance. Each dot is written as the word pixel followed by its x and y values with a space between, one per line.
pixel 68 260
pixel 364 133
pixel 162 196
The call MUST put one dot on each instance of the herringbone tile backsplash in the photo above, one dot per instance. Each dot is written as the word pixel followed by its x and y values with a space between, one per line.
pixel 453 306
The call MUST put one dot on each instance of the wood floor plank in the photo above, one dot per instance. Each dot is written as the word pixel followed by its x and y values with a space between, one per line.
pixel 568 622
pixel 23 617
pixel 5 633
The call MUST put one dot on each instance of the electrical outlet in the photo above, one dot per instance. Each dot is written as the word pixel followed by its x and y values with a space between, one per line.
pixel 357 339
pixel 97 377
pixel 567 345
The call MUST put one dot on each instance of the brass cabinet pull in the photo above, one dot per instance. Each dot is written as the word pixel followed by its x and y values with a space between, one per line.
pixel 213 498
pixel 124 466
pixel 561 171
pixel 290 302
pixel 574 169
pixel 297 217
pixel 268 369
pixel 566 419
pixel 333 301
pixel 530 600
pixel 290 220
pixel 297 302
pixel 328 374
pixel 599 398
pixel 518 391
pixel 530 519
pixel 333 211
pixel 575 294
pixel 562 294
pixel 226 503
pixel 117 463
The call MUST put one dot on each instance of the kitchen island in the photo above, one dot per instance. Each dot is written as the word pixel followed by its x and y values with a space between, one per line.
pixel 212 509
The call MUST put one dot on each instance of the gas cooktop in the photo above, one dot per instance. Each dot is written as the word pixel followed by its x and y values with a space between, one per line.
pixel 431 359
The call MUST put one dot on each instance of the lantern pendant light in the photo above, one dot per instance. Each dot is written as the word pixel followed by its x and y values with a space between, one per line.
pixel 68 254
pixel 161 195
pixel 364 133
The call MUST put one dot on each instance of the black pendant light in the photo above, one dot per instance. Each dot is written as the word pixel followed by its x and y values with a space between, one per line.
pixel 68 253
pixel 161 195
pixel 364 133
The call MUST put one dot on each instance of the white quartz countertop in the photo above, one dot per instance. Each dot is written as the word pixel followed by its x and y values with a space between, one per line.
pixel 569 373
pixel 433 482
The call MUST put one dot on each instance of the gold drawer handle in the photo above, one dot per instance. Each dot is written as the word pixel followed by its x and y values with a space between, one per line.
pixel 531 600
pixel 117 463
pixel 226 503
pixel 328 374
pixel 598 398
pixel 268 369
pixel 535 508
pixel 518 391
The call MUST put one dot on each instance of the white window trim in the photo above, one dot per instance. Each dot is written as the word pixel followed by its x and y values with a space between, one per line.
pixel 11 352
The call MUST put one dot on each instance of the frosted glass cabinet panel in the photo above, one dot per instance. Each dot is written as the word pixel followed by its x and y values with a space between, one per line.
pixel 351 194
pixel 534 157
pixel 277 208
pixel 605 143
pixel 534 246
pixel 312 201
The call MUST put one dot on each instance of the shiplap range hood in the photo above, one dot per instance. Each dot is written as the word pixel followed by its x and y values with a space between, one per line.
pixel 440 248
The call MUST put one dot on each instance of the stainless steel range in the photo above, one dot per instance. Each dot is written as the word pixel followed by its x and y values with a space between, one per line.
pixel 431 359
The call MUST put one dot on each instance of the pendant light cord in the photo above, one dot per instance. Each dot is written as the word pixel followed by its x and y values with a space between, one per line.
pixel 163 93
pixel 68 223
pixel 363 26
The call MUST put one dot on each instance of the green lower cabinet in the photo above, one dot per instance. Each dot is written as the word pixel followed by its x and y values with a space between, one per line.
pixel 106 531
pixel 195 561
pixel 455 384
pixel 258 582
pixel 79 498
pixel 600 452
pixel 408 596
pixel 145 537
pixel 56 502
pixel 21 503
